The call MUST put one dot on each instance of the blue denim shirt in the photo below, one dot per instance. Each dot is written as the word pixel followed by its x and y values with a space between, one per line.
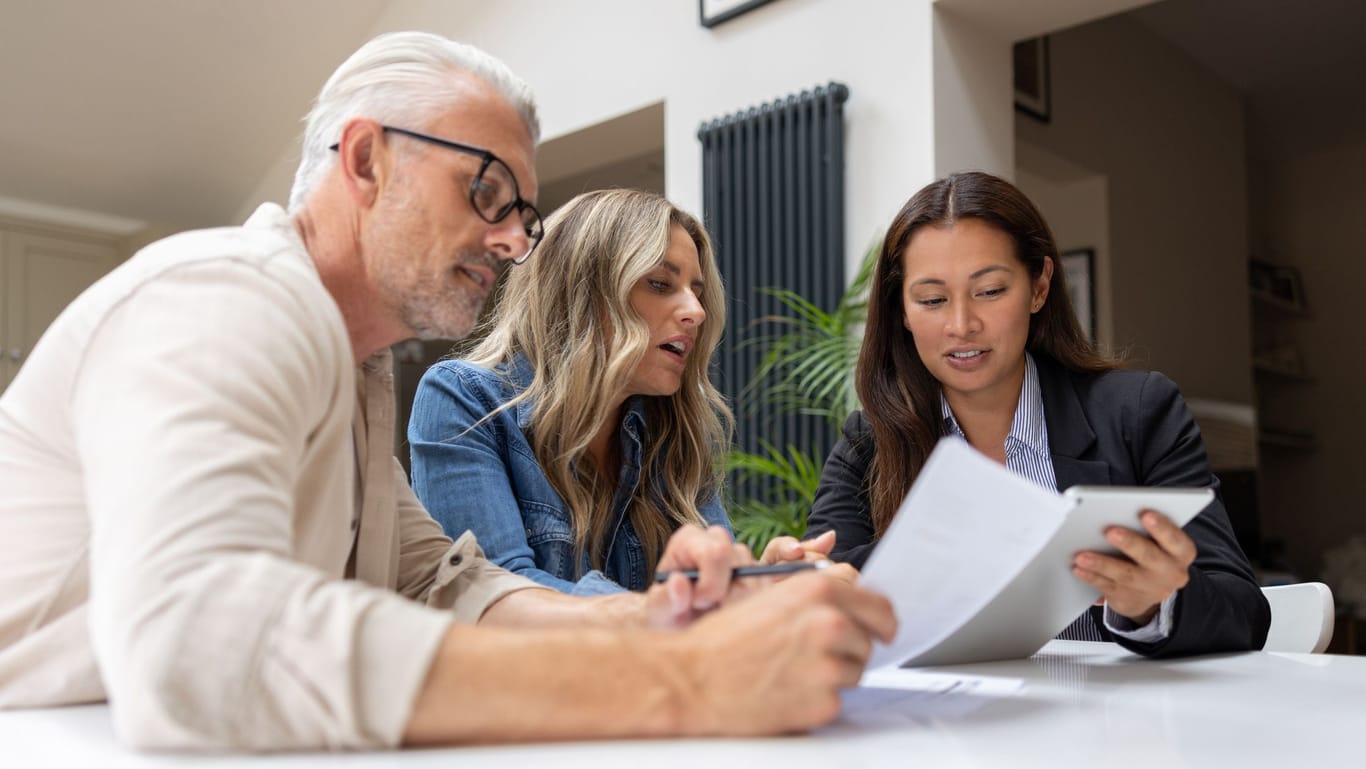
pixel 487 480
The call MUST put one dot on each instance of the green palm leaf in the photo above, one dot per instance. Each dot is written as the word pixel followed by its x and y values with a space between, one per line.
pixel 807 368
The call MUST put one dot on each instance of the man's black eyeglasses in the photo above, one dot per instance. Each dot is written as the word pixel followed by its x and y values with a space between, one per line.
pixel 493 192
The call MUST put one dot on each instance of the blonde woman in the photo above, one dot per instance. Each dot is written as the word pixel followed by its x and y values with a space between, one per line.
pixel 583 430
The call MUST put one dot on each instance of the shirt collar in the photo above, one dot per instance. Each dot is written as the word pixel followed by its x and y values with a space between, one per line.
pixel 1027 428
pixel 271 217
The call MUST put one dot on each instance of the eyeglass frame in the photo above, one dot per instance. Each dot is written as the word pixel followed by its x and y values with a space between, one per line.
pixel 518 203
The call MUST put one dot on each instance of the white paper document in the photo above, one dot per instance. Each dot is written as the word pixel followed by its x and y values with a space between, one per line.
pixel 978 560
pixel 892 696
pixel 909 679
pixel 966 528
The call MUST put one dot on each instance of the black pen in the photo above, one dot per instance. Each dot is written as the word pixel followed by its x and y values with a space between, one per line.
pixel 761 570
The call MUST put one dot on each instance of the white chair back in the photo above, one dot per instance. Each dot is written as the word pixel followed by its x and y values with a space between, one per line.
pixel 1301 617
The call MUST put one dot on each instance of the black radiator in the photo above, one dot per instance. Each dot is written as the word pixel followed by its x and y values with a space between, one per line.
pixel 773 201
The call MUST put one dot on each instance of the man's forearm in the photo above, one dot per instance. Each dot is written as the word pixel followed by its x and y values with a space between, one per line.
pixel 497 684
pixel 806 638
pixel 549 609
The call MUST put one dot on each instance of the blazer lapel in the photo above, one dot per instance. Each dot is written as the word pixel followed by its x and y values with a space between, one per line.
pixel 1070 437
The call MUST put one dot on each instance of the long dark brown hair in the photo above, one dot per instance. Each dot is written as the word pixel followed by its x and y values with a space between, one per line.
pixel 900 396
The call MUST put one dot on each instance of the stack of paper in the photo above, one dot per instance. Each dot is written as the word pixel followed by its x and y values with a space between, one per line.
pixel 966 530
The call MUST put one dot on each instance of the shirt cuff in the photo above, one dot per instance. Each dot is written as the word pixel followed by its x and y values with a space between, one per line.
pixel 1157 629
pixel 468 584
pixel 595 583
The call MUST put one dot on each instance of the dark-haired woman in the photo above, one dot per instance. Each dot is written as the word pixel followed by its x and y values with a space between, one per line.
pixel 970 333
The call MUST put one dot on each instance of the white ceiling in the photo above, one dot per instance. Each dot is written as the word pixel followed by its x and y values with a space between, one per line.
pixel 163 111
pixel 172 112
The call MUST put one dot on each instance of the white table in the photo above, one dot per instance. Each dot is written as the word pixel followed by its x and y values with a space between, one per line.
pixel 1082 705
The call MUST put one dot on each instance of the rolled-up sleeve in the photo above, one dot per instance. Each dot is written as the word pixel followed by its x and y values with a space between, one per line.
pixel 454 576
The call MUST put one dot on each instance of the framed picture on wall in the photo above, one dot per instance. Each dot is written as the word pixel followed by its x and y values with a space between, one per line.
pixel 1033 95
pixel 1079 269
pixel 1279 284
pixel 713 12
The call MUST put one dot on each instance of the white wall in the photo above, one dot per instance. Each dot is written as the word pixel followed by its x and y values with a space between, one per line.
pixel 973 89
pixel 973 95
pixel 1076 203
pixel 595 59
pixel 1169 138
pixel 1307 212
pixel 929 82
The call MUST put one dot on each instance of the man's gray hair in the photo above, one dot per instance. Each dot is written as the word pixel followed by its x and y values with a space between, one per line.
pixel 398 78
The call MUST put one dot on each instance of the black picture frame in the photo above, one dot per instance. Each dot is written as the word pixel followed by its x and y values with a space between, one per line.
pixel 1033 83
pixel 713 12
pixel 1277 284
pixel 1078 266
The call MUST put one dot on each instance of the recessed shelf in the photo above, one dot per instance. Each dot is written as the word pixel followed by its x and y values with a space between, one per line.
pixel 1289 375
pixel 1276 296
pixel 1288 439
pixel 1279 306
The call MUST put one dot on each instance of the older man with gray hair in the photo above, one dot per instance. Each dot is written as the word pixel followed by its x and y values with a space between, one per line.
pixel 202 521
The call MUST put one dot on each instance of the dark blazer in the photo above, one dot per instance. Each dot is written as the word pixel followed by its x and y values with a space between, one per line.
pixel 1119 428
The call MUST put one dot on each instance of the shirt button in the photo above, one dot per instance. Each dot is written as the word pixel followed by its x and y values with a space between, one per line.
pixel 456 559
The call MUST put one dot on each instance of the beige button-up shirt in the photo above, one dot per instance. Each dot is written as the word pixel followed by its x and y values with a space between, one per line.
pixel 200 516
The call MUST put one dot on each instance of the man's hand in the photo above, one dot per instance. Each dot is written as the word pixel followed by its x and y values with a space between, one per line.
pixel 1154 569
pixel 771 664
pixel 796 643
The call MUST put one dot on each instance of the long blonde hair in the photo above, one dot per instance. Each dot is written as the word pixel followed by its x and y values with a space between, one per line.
pixel 568 312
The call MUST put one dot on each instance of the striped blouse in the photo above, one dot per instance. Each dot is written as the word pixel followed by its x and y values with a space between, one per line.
pixel 1027 451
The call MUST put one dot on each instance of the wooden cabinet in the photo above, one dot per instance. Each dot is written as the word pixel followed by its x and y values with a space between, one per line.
pixel 42 268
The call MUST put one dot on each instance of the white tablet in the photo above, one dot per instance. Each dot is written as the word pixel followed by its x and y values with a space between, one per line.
pixel 1045 597
pixel 1099 507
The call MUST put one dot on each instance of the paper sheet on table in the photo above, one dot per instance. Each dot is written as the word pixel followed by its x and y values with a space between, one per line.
pixel 890 696
pixel 966 529
pixel 911 679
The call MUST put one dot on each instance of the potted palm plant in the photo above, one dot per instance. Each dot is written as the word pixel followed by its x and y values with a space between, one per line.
pixel 808 369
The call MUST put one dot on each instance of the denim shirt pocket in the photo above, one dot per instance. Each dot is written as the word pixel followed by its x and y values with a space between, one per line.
pixel 551 538
pixel 627 560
